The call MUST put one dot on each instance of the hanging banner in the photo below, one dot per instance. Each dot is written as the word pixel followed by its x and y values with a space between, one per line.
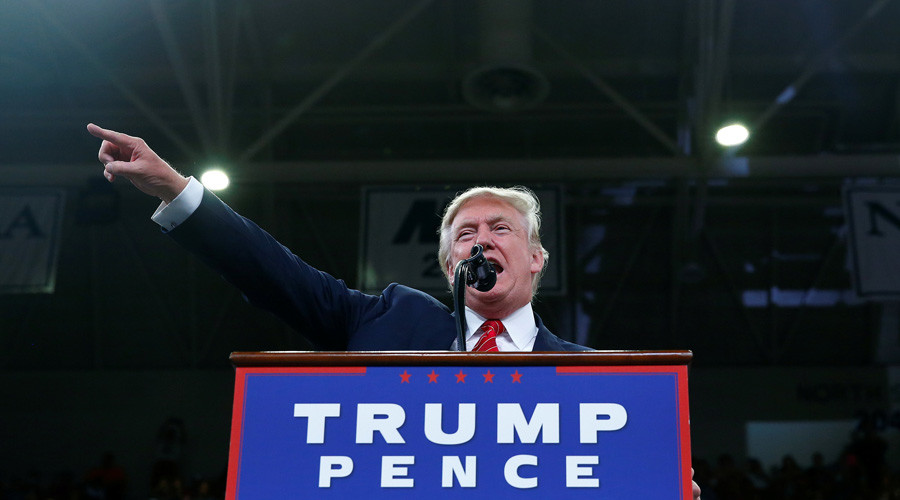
pixel 873 220
pixel 30 231
pixel 399 240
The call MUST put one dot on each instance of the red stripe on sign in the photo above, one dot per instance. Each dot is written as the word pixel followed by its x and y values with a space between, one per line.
pixel 237 411
pixel 684 434
pixel 684 415
pixel 306 370
pixel 237 421
pixel 599 370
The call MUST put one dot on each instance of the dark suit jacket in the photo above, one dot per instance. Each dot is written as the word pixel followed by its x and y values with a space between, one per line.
pixel 320 307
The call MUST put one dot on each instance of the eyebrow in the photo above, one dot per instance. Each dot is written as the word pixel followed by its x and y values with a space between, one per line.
pixel 493 219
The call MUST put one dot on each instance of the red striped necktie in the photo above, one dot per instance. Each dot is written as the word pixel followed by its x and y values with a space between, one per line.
pixel 488 341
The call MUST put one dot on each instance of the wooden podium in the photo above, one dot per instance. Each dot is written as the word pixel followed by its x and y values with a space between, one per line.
pixel 600 424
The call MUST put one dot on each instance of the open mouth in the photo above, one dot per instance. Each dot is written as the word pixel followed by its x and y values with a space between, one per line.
pixel 497 267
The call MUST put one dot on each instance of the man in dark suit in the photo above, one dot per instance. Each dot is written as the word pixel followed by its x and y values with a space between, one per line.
pixel 506 222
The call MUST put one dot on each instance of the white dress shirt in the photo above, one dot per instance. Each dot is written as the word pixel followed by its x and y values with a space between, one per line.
pixel 519 335
pixel 170 215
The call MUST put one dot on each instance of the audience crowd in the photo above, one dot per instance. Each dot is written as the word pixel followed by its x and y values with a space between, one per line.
pixel 859 473
pixel 109 482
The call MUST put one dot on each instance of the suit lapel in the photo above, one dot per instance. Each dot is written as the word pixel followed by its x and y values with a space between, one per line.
pixel 545 341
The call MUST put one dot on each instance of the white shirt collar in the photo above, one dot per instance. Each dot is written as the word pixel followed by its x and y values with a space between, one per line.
pixel 521 329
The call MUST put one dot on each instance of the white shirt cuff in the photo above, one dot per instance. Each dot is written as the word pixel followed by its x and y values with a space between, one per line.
pixel 170 215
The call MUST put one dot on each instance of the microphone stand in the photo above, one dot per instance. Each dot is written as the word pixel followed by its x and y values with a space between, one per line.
pixel 459 304
pixel 476 272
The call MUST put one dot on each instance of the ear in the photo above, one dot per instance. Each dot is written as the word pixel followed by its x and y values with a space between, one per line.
pixel 537 260
pixel 450 273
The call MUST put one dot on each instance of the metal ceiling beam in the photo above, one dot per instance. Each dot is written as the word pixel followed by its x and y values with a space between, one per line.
pixel 836 249
pixel 379 41
pixel 713 37
pixel 686 133
pixel 550 170
pixel 720 57
pixel 611 303
pixel 607 90
pixel 182 73
pixel 713 42
pixel 214 81
pixel 434 72
pixel 254 45
pixel 686 63
pixel 93 60
pixel 231 65
pixel 766 348
pixel 704 25
pixel 816 64
pixel 61 77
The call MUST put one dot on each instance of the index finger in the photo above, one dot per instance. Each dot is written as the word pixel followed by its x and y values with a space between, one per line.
pixel 117 138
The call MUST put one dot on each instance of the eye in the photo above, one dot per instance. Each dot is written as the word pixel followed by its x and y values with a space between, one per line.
pixel 464 234
pixel 502 228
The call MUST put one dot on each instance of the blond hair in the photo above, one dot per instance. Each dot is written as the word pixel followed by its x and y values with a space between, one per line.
pixel 520 197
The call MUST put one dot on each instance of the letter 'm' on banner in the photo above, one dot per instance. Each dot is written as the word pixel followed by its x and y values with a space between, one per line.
pixel 434 429
pixel 393 474
pixel 316 414
pixel 511 471
pixel 333 466
pixel 577 475
pixel 615 414
pixel 511 421
pixel 452 467
pixel 385 418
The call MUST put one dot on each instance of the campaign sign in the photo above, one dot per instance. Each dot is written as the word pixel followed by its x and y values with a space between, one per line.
pixel 613 432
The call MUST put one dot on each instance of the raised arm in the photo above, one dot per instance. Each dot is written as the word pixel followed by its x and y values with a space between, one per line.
pixel 131 158
pixel 269 275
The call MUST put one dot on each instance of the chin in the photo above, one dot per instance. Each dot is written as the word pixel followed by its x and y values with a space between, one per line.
pixel 492 296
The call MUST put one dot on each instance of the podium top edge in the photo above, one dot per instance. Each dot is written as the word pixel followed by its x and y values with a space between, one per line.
pixel 437 358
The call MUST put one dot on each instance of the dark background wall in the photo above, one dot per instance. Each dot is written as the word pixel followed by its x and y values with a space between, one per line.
pixel 138 331
pixel 671 242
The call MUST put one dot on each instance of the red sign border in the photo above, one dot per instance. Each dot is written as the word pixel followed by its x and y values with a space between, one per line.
pixel 237 424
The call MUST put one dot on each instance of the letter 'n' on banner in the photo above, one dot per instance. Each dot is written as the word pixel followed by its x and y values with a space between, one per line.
pixel 873 223
pixel 457 425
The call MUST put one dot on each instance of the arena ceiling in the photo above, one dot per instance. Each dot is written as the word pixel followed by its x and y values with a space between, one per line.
pixel 611 87
pixel 590 95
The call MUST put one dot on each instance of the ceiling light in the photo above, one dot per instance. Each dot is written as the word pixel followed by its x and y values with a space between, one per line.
pixel 732 135
pixel 215 180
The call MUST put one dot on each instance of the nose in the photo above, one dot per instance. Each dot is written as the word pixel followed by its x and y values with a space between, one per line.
pixel 485 238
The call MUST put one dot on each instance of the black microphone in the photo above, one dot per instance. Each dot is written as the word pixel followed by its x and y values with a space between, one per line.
pixel 480 274
pixel 476 272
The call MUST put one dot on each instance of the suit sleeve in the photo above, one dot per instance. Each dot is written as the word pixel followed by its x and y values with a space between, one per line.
pixel 270 276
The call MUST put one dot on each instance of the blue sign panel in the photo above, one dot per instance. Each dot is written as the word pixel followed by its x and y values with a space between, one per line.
pixel 473 431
